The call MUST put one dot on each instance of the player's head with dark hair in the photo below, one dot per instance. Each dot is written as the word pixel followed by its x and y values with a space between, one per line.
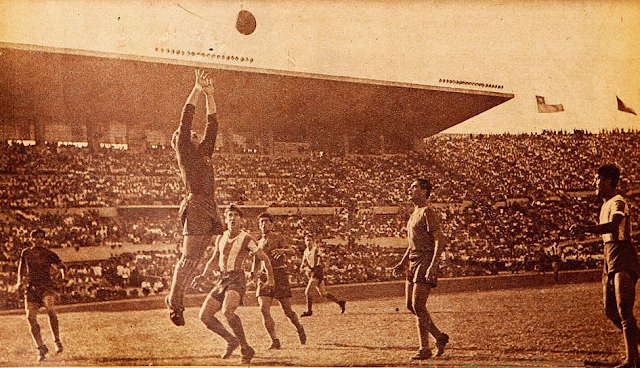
pixel 425 184
pixel 37 232
pixel 419 191
pixel 610 172
pixel 233 208
pixel 265 223
pixel 174 138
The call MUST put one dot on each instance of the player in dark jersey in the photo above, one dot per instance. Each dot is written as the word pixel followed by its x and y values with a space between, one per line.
pixel 275 247
pixel 312 264
pixel 231 250
pixel 621 270
pixel 198 210
pixel 426 244
pixel 34 275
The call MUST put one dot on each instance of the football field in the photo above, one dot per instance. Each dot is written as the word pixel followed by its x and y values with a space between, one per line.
pixel 559 325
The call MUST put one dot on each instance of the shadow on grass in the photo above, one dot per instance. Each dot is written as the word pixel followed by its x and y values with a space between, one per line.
pixel 190 360
pixel 392 348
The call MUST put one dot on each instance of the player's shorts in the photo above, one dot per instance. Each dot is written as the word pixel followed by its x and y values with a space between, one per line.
pixel 234 280
pixel 36 294
pixel 619 257
pixel 317 273
pixel 199 216
pixel 419 263
pixel 282 287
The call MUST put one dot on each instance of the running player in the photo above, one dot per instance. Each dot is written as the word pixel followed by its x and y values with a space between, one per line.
pixel 230 251
pixel 275 247
pixel 312 264
pixel 620 272
pixel 198 210
pixel 426 244
pixel 34 274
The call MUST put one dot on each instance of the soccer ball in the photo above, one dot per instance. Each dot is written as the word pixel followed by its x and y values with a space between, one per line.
pixel 246 22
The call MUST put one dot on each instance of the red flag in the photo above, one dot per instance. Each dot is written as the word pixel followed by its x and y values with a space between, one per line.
pixel 544 108
pixel 624 108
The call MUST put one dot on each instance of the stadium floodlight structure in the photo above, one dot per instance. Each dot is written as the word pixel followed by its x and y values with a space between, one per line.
pixel 303 74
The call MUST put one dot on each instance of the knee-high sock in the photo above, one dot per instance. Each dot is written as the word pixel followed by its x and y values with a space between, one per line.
pixel 293 318
pixel 332 297
pixel 270 325
pixel 309 302
pixel 236 326
pixel 35 331
pixel 53 324
pixel 217 327
pixel 630 332
pixel 182 276
pixel 423 322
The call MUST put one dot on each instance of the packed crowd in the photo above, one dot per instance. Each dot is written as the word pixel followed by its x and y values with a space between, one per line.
pixel 477 176
pixel 483 168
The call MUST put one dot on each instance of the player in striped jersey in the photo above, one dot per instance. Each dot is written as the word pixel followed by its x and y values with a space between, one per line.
pixel 426 244
pixel 312 264
pixel 620 273
pixel 231 250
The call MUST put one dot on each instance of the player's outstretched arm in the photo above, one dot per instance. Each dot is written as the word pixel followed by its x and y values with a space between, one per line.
pixel 197 89
pixel 211 129
pixel 606 228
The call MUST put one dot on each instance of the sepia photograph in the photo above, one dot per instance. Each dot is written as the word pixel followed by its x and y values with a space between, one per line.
pixel 319 183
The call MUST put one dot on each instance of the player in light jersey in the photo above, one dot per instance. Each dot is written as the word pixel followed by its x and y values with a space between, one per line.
pixel 620 272
pixel 276 248
pixel 34 274
pixel 231 250
pixel 426 244
pixel 198 210
pixel 312 264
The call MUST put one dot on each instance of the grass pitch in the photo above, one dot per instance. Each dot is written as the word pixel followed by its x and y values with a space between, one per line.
pixel 561 325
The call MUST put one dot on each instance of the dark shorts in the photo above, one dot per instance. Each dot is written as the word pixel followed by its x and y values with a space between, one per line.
pixel 36 294
pixel 317 273
pixel 282 288
pixel 417 272
pixel 199 216
pixel 229 281
pixel 619 257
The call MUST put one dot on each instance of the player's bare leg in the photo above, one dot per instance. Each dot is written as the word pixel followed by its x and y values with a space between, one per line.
pixel 49 302
pixel 419 295
pixel 288 311
pixel 207 315
pixel 193 247
pixel 265 308
pixel 229 306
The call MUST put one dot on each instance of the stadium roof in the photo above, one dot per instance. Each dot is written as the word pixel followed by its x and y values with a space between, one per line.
pixel 77 90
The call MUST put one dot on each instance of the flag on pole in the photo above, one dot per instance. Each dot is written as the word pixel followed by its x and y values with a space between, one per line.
pixel 544 108
pixel 624 108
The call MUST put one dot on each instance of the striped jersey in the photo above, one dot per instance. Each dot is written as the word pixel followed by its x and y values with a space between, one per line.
pixel 312 256
pixel 232 252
